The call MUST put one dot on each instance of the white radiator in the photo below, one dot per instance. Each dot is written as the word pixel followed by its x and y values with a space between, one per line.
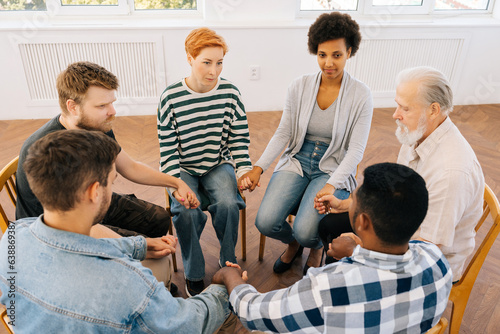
pixel 140 71
pixel 133 63
pixel 378 61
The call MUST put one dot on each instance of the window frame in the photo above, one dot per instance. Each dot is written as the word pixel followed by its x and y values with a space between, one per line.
pixel 170 13
pixel 426 8
pixel 123 8
pixel 366 9
pixel 56 8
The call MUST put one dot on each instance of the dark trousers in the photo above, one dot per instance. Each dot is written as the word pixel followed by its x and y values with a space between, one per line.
pixel 332 226
pixel 128 216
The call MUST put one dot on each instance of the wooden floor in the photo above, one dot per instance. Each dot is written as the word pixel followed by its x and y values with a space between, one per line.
pixel 137 135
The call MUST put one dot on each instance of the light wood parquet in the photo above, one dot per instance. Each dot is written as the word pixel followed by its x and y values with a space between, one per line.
pixel 137 135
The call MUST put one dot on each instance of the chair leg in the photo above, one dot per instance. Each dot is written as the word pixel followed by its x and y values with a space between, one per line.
pixel 174 256
pixel 261 246
pixel 457 313
pixel 243 223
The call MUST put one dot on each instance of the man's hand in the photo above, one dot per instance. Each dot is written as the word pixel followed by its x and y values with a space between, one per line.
pixel 160 247
pixel 354 237
pixel 185 195
pixel 343 246
pixel 250 180
pixel 231 276
pixel 326 202
pixel 331 204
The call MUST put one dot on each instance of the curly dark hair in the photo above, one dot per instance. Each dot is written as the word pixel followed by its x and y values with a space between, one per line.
pixel 334 25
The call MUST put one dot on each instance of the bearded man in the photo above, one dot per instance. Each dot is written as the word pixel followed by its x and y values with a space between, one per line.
pixel 87 92
pixel 434 147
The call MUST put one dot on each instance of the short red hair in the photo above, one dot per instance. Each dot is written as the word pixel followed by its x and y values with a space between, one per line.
pixel 201 38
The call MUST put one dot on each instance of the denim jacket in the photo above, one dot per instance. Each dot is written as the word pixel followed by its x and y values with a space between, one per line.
pixel 61 282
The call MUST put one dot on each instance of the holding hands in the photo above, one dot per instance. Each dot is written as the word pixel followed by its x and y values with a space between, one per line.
pixel 250 180
pixel 231 276
pixel 185 195
pixel 325 202
pixel 160 247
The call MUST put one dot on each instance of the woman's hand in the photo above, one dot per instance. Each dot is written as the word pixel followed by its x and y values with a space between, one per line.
pixel 184 195
pixel 331 204
pixel 250 180
pixel 325 203
pixel 324 199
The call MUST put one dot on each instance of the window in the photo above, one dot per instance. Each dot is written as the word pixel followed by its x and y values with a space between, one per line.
pixel 329 5
pixel 462 4
pixel 397 6
pixel 23 5
pixel 97 7
pixel 162 4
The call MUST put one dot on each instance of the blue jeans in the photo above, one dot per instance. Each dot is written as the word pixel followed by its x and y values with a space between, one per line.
pixel 288 191
pixel 219 187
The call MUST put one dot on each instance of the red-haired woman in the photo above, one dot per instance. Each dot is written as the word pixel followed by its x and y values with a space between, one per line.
pixel 203 134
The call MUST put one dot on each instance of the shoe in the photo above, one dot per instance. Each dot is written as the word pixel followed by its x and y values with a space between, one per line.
pixel 280 266
pixel 306 267
pixel 173 289
pixel 194 288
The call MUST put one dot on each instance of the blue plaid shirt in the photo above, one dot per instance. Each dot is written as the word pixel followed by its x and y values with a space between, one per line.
pixel 369 292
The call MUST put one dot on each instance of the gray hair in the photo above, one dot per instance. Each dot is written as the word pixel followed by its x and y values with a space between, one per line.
pixel 434 86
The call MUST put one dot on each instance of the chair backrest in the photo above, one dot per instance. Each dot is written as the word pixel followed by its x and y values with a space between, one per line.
pixel 440 327
pixel 460 291
pixel 8 181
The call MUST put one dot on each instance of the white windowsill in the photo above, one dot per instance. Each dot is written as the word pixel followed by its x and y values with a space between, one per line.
pixel 42 21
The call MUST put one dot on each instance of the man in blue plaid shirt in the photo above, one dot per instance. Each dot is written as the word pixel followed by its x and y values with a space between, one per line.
pixel 387 285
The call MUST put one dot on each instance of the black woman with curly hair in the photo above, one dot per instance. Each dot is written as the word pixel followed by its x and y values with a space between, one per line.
pixel 324 128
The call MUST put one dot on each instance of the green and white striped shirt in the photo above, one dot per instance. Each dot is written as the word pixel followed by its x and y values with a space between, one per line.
pixel 199 131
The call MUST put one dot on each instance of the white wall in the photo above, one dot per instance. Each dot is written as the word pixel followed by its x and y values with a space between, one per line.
pixel 272 39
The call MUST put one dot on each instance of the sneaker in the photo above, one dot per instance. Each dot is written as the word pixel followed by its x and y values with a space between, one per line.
pixel 173 289
pixel 194 288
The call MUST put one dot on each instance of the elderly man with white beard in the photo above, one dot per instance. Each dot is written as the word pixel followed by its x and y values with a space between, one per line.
pixel 434 147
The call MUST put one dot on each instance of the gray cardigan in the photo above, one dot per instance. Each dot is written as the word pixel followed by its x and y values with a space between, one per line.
pixel 351 127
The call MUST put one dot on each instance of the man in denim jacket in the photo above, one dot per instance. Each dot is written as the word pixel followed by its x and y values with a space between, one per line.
pixel 55 278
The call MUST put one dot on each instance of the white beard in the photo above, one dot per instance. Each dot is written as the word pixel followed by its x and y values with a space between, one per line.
pixel 410 138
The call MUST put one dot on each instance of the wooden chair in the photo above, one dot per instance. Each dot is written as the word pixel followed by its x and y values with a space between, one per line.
pixel 5 320
pixel 460 291
pixel 8 180
pixel 440 327
pixel 204 205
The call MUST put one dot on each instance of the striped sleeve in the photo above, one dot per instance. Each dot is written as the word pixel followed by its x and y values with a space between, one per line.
pixel 239 137
pixel 167 136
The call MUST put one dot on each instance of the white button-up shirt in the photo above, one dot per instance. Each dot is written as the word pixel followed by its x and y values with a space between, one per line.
pixel 455 183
